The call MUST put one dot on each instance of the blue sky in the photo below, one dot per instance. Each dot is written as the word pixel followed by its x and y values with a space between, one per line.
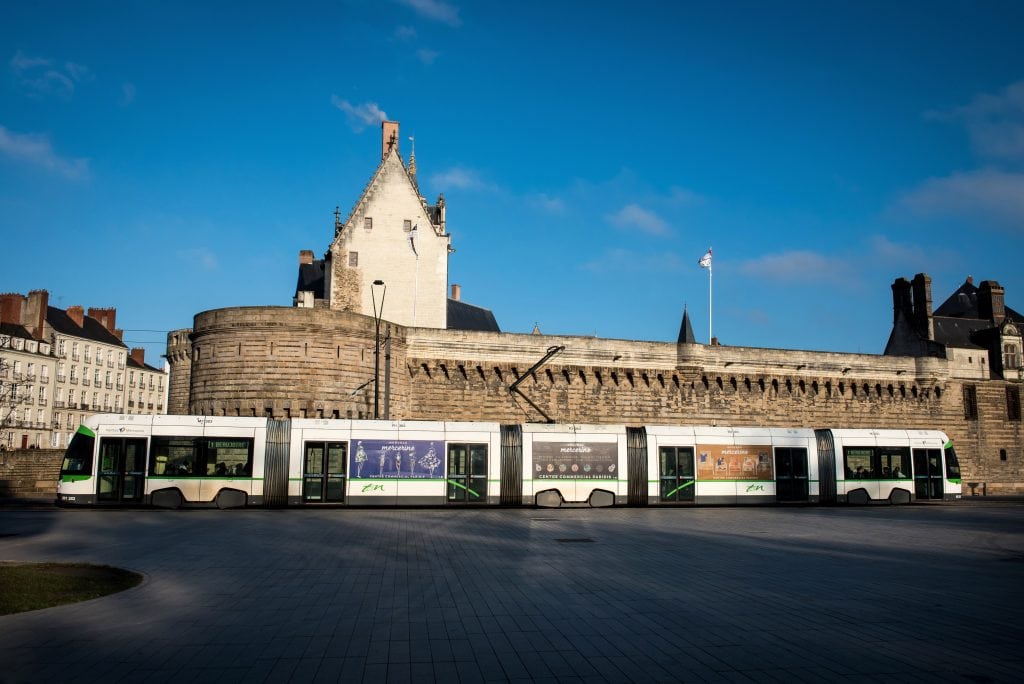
pixel 170 157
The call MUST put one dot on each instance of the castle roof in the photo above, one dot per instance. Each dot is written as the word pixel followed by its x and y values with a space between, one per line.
pixel 463 316
pixel 311 278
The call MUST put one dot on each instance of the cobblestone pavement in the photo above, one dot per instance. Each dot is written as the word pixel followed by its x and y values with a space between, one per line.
pixel 913 593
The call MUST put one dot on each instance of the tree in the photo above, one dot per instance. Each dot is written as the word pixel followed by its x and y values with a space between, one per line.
pixel 13 393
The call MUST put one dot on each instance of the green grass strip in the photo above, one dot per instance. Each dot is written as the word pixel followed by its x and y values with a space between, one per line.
pixel 33 586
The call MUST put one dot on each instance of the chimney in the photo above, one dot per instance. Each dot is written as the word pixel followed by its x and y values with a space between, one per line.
pixel 922 287
pixel 106 317
pixel 35 313
pixel 456 292
pixel 119 334
pixel 76 314
pixel 970 280
pixel 991 303
pixel 389 137
pixel 11 304
pixel 305 257
pixel 901 299
pixel 138 355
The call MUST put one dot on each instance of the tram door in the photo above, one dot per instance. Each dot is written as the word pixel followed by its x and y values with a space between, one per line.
pixel 675 466
pixel 323 472
pixel 790 474
pixel 122 470
pixel 467 473
pixel 928 477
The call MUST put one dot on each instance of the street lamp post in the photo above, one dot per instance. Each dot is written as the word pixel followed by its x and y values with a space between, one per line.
pixel 377 313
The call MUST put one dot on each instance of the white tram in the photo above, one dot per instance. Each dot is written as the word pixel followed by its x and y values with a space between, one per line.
pixel 174 461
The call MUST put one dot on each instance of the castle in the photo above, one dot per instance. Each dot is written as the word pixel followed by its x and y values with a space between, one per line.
pixel 434 357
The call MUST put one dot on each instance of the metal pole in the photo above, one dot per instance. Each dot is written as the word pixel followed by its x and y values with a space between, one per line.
pixel 387 373
pixel 376 343
pixel 710 335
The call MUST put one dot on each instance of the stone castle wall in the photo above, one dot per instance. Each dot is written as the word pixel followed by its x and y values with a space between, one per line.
pixel 294 362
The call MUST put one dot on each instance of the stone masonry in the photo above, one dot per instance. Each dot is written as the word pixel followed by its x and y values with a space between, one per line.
pixel 319 363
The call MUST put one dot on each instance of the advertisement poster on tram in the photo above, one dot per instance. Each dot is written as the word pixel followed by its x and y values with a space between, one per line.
pixel 575 460
pixel 396 458
pixel 734 462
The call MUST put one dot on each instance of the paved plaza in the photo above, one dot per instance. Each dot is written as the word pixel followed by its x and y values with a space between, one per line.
pixel 913 593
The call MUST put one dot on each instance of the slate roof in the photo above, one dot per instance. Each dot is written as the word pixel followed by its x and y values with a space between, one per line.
pixel 463 316
pixel 686 335
pixel 964 304
pixel 132 363
pixel 311 278
pixel 91 329
pixel 15 330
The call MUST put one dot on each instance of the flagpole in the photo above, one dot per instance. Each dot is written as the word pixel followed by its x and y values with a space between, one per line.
pixel 710 336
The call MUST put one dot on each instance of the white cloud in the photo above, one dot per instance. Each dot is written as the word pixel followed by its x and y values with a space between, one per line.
pixel 799 266
pixel 635 216
pixel 684 196
pixel 405 33
pixel 436 10
pixel 36 150
pixel 127 94
pixel 988 194
pixel 620 260
pixel 360 116
pixel 995 123
pixel 199 257
pixel 458 177
pixel 551 205
pixel 427 56
pixel 40 78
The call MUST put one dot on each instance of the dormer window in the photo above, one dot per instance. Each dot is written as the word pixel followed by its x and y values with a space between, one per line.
pixel 1011 356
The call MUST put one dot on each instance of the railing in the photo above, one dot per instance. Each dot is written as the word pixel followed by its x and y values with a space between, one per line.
pixel 131 404
pixel 85 382
pixel 61 377
pixel 58 404
pixel 120 387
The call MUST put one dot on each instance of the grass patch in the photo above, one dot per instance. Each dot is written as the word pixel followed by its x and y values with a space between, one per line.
pixel 31 586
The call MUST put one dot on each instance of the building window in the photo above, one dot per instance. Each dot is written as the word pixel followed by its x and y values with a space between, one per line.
pixel 353 259
pixel 407 225
pixel 1002 454
pixel 970 402
pixel 1013 403
pixel 368 223
pixel 1011 356
pixel 88 354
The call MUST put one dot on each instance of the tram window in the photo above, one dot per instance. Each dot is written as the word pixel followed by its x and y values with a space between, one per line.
pixel 895 463
pixel 173 456
pixel 78 459
pixel 859 462
pixel 197 457
pixel 952 463
pixel 229 457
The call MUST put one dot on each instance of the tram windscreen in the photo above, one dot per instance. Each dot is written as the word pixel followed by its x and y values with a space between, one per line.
pixel 952 463
pixel 78 457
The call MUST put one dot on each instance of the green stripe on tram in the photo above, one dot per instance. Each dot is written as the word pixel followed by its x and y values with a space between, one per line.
pixel 82 430
pixel 948 445
pixel 462 486
pixel 682 486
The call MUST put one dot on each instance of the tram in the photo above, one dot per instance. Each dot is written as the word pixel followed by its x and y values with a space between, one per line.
pixel 176 461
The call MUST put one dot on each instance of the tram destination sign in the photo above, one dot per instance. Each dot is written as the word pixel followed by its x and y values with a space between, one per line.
pixel 396 458
pixel 575 460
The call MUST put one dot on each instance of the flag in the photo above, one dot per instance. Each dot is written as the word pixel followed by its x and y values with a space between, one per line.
pixel 705 261
pixel 412 239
